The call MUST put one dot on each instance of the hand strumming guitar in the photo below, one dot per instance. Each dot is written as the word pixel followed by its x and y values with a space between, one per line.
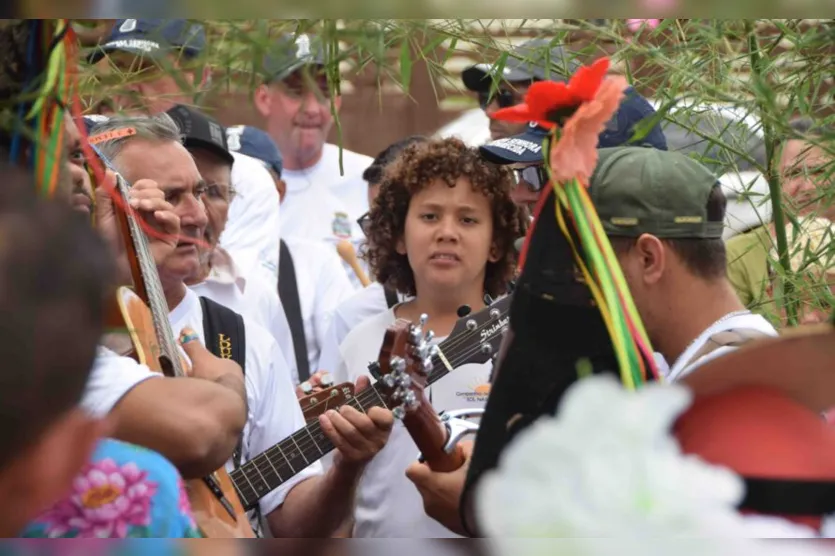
pixel 149 201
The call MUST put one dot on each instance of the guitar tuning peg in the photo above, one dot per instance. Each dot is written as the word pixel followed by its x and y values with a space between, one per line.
pixel 427 365
pixel 463 311
pixel 487 299
pixel 423 319
pixel 429 335
pixel 398 412
pixel 390 381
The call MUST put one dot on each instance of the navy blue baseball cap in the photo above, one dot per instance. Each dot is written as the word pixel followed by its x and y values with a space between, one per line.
pixel 256 143
pixel 526 147
pixel 290 53
pixel 152 37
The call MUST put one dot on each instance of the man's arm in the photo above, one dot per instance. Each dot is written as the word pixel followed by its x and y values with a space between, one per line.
pixel 194 422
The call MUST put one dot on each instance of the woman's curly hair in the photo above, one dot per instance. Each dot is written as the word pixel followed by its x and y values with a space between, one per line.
pixel 417 166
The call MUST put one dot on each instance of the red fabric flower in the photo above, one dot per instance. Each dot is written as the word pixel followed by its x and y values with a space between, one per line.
pixel 549 102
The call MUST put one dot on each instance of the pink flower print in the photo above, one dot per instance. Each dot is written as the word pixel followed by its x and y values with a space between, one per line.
pixel 184 505
pixel 106 501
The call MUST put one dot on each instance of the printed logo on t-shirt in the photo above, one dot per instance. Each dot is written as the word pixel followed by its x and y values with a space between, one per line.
pixel 341 225
pixel 474 393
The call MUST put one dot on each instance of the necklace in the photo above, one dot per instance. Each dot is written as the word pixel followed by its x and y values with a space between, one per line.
pixel 722 319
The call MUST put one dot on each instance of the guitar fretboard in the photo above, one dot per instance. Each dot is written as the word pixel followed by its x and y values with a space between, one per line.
pixel 153 287
pixel 269 470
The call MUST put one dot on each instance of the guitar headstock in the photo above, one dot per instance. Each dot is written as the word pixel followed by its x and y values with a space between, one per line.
pixel 485 329
pixel 317 403
pixel 408 357
pixel 405 363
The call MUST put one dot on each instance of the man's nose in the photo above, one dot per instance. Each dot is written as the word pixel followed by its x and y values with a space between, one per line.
pixel 193 212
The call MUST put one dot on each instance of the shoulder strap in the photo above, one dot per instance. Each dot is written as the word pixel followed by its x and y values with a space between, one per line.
pixel 225 336
pixel 734 337
pixel 391 297
pixel 288 291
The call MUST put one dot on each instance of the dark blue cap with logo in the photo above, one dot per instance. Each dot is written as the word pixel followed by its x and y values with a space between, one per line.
pixel 526 147
pixel 290 53
pixel 152 37
pixel 257 144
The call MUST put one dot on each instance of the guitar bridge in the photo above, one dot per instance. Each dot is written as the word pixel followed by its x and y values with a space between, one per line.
pixel 212 482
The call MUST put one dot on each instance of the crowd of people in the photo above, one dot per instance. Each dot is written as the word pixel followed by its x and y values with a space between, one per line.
pixel 312 253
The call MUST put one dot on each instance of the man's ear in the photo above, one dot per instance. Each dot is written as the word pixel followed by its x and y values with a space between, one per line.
pixel 653 258
pixel 263 100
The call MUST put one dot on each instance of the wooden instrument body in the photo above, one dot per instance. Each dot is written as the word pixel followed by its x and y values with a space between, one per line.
pixel 210 515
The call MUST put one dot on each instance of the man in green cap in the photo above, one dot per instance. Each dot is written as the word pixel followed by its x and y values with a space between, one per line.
pixel 663 213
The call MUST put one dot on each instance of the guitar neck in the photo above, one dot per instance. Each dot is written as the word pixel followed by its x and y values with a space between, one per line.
pixel 147 284
pixel 269 470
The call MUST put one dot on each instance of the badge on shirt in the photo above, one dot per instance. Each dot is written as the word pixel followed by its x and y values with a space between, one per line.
pixel 341 225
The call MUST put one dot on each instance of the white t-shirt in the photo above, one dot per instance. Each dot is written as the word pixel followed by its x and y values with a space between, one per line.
pixel 365 303
pixel 254 299
pixel 254 227
pixel 322 203
pixel 273 409
pixel 736 320
pixel 388 504
pixel 323 285
pixel 111 377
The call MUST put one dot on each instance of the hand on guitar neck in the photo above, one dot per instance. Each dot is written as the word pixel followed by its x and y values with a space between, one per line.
pixel 149 201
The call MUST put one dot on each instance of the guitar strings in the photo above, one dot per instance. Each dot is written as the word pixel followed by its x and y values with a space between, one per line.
pixel 363 399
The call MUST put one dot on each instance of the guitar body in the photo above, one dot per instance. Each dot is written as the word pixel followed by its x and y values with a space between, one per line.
pixel 211 516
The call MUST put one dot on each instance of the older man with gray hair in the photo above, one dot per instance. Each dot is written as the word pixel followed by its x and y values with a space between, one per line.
pixel 313 502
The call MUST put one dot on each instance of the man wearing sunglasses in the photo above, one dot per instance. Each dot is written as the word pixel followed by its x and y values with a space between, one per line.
pixel 525 151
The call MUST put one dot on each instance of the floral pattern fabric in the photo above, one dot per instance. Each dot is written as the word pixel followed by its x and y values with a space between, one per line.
pixel 125 491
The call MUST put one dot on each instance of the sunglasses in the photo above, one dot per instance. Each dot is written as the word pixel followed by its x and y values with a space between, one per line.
pixel 534 177
pixel 503 97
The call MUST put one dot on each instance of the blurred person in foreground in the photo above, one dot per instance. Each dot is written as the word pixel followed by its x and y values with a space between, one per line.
pixel 806 171
pixel 148 66
pixel 322 200
pixel 54 275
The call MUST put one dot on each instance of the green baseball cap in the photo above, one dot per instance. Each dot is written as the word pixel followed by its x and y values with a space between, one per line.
pixel 639 190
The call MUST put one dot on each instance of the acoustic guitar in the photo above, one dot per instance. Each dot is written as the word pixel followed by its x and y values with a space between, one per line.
pixel 144 315
pixel 474 339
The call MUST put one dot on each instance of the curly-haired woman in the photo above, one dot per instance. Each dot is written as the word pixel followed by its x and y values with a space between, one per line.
pixel 441 231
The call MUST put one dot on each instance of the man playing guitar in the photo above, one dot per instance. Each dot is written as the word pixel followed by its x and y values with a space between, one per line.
pixel 313 503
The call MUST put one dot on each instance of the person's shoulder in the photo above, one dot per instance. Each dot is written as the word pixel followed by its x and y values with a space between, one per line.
pixel 371 298
pixel 369 328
